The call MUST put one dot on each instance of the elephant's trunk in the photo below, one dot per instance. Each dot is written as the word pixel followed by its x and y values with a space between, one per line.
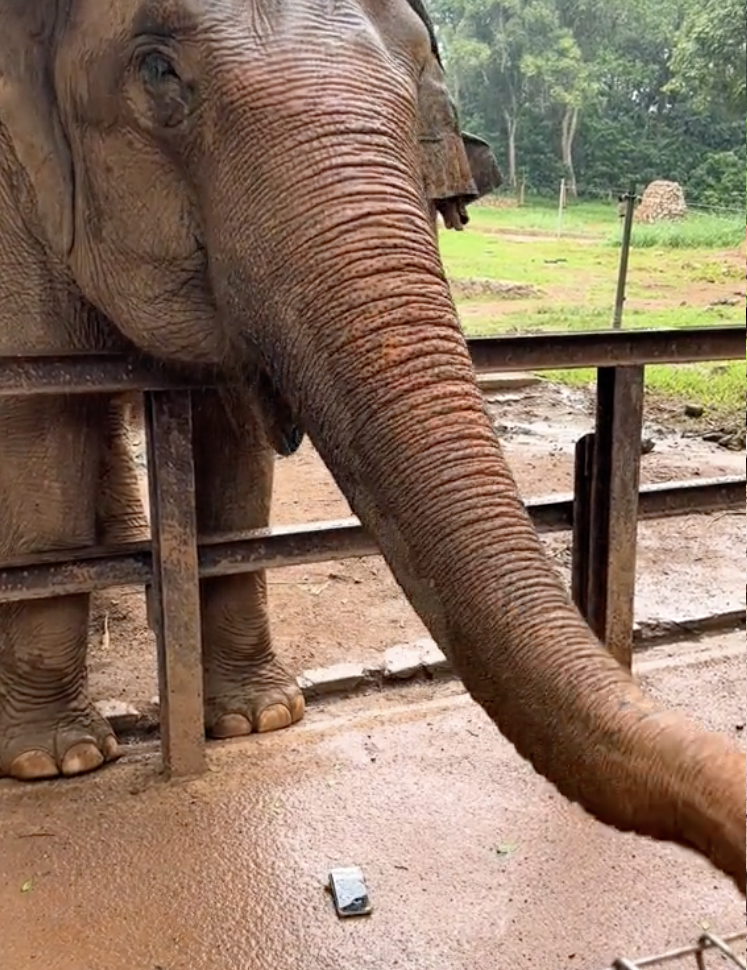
pixel 358 325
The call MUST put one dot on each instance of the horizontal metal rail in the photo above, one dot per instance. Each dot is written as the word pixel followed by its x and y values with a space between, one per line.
pixel 607 348
pixel 110 373
pixel 77 571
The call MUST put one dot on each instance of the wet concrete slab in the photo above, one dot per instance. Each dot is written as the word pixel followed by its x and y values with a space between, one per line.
pixel 472 861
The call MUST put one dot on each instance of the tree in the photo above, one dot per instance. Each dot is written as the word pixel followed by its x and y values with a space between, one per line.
pixel 507 55
pixel 602 91
pixel 569 85
pixel 710 57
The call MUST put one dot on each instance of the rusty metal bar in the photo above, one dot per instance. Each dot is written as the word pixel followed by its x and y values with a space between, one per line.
pixel 583 467
pixel 613 520
pixel 607 348
pixel 78 571
pixel 176 587
pixel 78 374
pixel 622 273
pixel 84 374
pixel 667 499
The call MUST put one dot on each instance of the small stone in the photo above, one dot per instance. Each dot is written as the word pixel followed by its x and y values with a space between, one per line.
pixel 694 410
pixel 734 441
pixel 337 679
pixel 432 658
pixel 401 662
pixel 304 683
pixel 647 446
pixel 121 715
pixel 151 711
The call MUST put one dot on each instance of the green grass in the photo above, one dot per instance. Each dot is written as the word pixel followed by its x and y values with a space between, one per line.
pixel 569 317
pixel 584 218
pixel 697 230
pixel 582 264
pixel 719 387
pixel 576 276
pixel 474 254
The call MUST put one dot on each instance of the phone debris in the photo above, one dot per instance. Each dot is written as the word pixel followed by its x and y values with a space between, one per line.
pixel 349 892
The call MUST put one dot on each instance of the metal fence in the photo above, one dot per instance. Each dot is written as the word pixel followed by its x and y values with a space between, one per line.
pixel 602 513
pixel 723 949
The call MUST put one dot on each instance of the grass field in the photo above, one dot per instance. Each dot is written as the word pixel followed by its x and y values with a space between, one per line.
pixel 689 273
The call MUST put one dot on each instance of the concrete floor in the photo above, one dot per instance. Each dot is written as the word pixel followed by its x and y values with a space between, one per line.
pixel 472 861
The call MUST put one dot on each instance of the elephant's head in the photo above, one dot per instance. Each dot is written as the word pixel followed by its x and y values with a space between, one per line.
pixel 242 181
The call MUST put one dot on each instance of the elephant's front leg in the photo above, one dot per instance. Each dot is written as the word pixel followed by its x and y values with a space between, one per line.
pixel 246 687
pixel 120 514
pixel 48 473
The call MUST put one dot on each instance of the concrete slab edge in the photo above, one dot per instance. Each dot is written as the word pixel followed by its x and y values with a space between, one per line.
pixel 410 663
pixel 494 381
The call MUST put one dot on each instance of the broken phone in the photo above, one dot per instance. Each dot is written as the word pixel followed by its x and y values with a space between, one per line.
pixel 349 892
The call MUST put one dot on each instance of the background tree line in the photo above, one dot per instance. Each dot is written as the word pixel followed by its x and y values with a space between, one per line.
pixel 604 91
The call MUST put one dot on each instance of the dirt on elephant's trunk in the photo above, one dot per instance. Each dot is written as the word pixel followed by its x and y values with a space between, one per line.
pixel 365 344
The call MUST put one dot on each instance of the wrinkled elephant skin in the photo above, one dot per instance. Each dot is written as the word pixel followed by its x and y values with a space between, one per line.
pixel 250 185
pixel 47 724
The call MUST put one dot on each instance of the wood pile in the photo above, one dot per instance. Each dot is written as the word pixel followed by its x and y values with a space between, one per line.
pixel 661 200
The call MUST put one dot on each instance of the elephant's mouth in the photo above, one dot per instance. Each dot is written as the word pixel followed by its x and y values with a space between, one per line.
pixel 282 427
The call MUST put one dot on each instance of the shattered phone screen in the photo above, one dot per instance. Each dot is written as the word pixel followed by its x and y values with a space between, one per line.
pixel 349 892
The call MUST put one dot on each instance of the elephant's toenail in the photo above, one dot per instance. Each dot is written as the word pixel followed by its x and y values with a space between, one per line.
pixel 82 757
pixel 231 726
pixel 274 718
pixel 111 748
pixel 298 707
pixel 33 765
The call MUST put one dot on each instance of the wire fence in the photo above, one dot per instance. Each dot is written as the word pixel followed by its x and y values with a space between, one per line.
pixel 721 952
pixel 522 194
pixel 727 210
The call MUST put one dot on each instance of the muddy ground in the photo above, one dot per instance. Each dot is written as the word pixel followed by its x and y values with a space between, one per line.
pixel 353 610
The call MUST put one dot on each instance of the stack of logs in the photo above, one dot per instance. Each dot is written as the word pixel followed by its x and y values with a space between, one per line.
pixel 661 200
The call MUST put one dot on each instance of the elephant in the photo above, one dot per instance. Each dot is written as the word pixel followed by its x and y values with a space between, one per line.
pixel 246 687
pixel 250 186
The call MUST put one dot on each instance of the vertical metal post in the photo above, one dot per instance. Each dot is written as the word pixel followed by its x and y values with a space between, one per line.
pixel 583 474
pixel 606 486
pixel 561 206
pixel 176 586
pixel 614 508
pixel 622 273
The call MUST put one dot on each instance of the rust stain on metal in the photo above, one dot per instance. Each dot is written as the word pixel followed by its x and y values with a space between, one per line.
pixel 79 571
pixel 175 576
pixel 612 482
pixel 583 470
pixel 78 374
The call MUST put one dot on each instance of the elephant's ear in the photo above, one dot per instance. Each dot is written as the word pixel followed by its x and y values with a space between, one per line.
pixel 418 7
pixel 485 172
pixel 446 176
pixel 28 111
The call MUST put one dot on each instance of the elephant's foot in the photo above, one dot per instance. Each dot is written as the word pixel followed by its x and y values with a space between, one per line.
pixel 258 695
pixel 54 740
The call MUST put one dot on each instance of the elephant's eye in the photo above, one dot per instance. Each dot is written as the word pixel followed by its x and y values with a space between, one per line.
pixel 156 68
pixel 170 98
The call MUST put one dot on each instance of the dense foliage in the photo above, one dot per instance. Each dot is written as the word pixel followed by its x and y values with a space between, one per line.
pixel 604 91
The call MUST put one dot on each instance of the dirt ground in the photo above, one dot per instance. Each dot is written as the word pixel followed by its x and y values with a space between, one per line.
pixel 471 859
pixel 353 610
pixel 723 288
